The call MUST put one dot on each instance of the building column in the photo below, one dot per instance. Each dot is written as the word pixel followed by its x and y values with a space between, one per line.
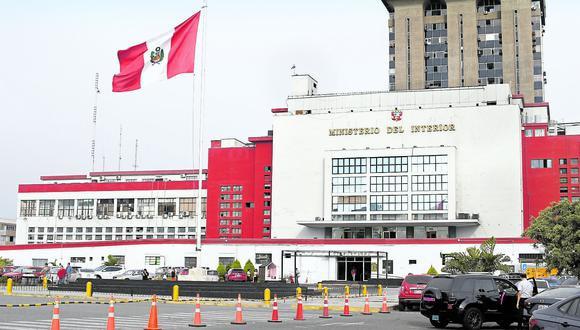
pixel 410 50
pixel 462 20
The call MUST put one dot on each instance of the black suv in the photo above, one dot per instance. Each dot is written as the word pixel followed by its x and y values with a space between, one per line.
pixel 470 300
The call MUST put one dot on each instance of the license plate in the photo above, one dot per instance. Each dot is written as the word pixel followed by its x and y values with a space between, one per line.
pixel 417 291
pixel 435 317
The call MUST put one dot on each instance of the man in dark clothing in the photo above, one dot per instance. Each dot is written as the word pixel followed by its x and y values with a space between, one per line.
pixel 145 274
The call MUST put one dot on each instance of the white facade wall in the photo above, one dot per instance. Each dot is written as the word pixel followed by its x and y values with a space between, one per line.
pixel 312 269
pixel 484 148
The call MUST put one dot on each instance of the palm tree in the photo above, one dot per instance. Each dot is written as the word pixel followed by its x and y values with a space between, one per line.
pixel 475 259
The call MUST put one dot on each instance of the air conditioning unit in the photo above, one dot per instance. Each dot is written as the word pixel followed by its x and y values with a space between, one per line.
pixel 138 216
pixel 123 216
pixel 118 216
pixel 60 216
pixel 130 216
pixel 100 216
pixel 318 219
pixel 475 216
pixel 89 216
pixel 170 214
pixel 164 215
pixel 181 216
pixel 107 217
pixel 78 216
pixel 150 216
pixel 186 214
pixel 463 216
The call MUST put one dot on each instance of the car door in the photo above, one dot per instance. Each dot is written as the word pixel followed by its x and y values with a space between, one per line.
pixel 570 315
pixel 487 296
pixel 507 297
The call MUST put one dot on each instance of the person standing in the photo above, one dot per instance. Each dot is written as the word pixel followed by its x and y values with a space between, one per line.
pixel 525 291
pixel 173 274
pixel 68 272
pixel 61 274
pixel 145 274
pixel 353 273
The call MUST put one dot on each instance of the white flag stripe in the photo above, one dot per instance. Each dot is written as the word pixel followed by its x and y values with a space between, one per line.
pixel 156 71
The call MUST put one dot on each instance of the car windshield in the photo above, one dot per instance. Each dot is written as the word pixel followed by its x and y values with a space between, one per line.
pixel 417 279
pixel 571 281
pixel 17 270
pixel 441 283
pixel 558 293
pixel 542 284
pixel 100 268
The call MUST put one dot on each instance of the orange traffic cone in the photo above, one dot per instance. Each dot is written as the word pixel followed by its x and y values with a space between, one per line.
pixel 275 311
pixel 367 308
pixel 55 316
pixel 325 313
pixel 239 318
pixel 346 311
pixel 197 315
pixel 153 323
pixel 385 307
pixel 299 310
pixel 111 316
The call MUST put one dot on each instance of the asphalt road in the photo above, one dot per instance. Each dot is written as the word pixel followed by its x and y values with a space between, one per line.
pixel 178 316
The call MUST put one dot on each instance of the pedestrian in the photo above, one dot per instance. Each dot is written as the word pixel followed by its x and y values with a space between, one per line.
pixel 61 274
pixel 172 275
pixel 145 274
pixel 68 272
pixel 297 275
pixel 176 274
pixel 525 291
pixel 353 273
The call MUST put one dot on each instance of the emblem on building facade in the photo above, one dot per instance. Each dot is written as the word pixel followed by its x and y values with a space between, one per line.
pixel 396 115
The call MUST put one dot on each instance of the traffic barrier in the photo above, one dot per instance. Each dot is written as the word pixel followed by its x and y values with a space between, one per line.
pixel 298 292
pixel 385 306
pixel 367 308
pixel 325 313
pixel 55 324
pixel 364 290
pixel 346 290
pixel 346 310
pixel 153 323
pixel 111 315
pixel 267 296
pixel 9 284
pixel 319 286
pixel 89 289
pixel 299 310
pixel 197 315
pixel 175 295
pixel 275 318
pixel 379 290
pixel 45 282
pixel 239 320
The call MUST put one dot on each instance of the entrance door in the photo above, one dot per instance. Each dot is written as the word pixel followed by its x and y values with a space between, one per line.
pixel 353 268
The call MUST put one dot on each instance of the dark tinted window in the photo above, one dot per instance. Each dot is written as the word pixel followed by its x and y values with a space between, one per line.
pixel 464 285
pixel 505 286
pixel 561 293
pixel 485 285
pixel 570 281
pixel 441 283
pixel 571 307
pixel 417 279
pixel 542 284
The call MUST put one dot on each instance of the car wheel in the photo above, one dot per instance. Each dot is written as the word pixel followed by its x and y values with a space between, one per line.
pixel 439 324
pixel 505 324
pixel 472 319
pixel 98 277
pixel 402 306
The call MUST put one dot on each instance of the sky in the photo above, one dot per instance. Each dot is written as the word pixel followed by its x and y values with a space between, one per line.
pixel 52 50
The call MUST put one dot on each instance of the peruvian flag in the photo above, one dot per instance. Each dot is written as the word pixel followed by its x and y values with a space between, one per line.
pixel 158 59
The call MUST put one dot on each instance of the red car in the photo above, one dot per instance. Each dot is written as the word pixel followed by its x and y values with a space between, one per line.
pixel 412 289
pixel 236 275
pixel 7 269
pixel 30 274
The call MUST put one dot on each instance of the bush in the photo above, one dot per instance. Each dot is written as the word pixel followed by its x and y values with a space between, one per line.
pixel 432 271
pixel 249 266
pixel 236 264
pixel 221 270
pixel 111 261
pixel 5 262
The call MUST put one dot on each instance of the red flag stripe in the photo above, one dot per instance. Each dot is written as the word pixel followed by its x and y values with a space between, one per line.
pixel 183 42
pixel 131 65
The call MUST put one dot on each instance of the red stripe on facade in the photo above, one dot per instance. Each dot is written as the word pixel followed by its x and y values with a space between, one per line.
pixel 261 139
pixel 144 173
pixel 131 65
pixel 63 177
pixel 512 240
pixel 279 110
pixel 108 186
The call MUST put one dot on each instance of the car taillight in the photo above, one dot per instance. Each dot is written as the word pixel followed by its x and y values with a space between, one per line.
pixel 533 324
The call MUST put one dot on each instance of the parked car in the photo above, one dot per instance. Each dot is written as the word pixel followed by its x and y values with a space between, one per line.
pixel 570 281
pixel 86 273
pixel 542 285
pixel 564 314
pixel 212 276
pixel 133 274
pixel 548 298
pixel 6 269
pixel 470 300
pixel 236 275
pixel 107 272
pixel 412 289
pixel 25 274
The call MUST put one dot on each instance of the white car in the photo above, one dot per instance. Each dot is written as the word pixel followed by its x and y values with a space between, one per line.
pixel 134 274
pixel 87 273
pixel 108 272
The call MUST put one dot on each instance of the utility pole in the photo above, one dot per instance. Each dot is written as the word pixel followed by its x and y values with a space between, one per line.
pixel 94 140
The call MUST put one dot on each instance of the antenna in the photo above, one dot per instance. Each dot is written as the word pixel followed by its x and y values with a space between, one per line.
pixel 94 140
pixel 103 163
pixel 120 145
pixel 136 150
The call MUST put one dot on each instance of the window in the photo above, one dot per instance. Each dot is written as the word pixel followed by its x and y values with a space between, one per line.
pixel 349 165
pixel 267 203
pixel 166 206
pixel 389 203
pixel 236 230
pixel 225 197
pixel 105 207
pixel 78 259
pixel 389 164
pixel 237 197
pixel 171 230
pixel 236 213
pixel 437 182
pixel 528 133
pixel 573 171
pixel 120 260
pixel 410 232
pixel 267 212
pixel 563 180
pixel 430 232
pixel 429 202
pixel 573 161
pixel 563 161
pixel 238 188
pixel 224 213
pixel 224 205
pixel 146 206
pixel 85 207
pixel 389 183
pixel 236 222
pixel 349 185
pixel 412 262
pixel 237 205
pixel 348 203
pixel 66 207
pixel 160 229
pixel 225 188
pixel 224 222
pixel 186 206
pixel 563 189
pixel 267 168
pixel 563 170
pixel 27 208
pixel 190 262
pixel 267 186
pixel 153 260
pixel 541 163
pixel 422 164
pixel 539 132
pixel 485 285
pixel 125 205
pixel 46 208
pixel 574 180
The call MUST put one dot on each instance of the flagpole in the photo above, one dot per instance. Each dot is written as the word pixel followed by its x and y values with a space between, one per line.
pixel 198 207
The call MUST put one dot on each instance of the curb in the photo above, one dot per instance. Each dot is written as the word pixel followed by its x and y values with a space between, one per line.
pixel 341 308
pixel 74 302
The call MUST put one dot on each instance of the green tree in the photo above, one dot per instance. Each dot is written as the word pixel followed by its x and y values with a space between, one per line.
pixel 482 259
pixel 221 270
pixel 557 230
pixel 111 261
pixel 236 264
pixel 249 266
pixel 432 271
pixel 5 262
